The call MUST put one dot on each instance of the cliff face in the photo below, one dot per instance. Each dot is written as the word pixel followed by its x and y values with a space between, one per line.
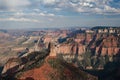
pixel 89 38
pixel 55 69
pixel 16 65
pixel 67 49
pixel 83 38
pixel 11 66
pixel 99 44
pixel 81 49
pixel 51 69
pixel 108 46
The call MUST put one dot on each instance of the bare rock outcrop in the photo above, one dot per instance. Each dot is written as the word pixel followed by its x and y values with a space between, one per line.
pixel 109 46
pixel 11 66
pixel 67 49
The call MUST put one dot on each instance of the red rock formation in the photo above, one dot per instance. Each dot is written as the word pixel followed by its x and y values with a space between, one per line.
pixel 80 38
pixel 116 51
pixel 67 49
pixel 11 66
pixel 105 45
pixel 97 50
pixel 41 73
pixel 81 49
pixel 109 46
pixel 89 37
pixel 47 39
pixel 104 51
pixel 110 41
pixel 47 72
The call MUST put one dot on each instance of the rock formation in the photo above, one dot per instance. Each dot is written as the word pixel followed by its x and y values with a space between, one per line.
pixel 99 44
pixel 67 49
pixel 109 46
pixel 11 66
pixel 55 69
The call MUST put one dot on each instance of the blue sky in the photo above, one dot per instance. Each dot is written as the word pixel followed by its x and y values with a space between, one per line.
pixel 19 14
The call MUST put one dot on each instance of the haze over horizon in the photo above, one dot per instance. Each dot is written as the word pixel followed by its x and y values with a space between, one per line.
pixel 20 14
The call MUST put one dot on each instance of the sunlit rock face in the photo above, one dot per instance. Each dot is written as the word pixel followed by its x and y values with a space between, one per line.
pixel 67 49
pixel 11 66
pixel 99 44
pixel 109 46
pixel 81 49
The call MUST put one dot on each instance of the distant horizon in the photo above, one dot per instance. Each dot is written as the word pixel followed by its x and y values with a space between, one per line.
pixel 45 28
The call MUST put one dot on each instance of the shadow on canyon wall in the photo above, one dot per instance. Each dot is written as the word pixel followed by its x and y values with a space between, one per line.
pixel 111 70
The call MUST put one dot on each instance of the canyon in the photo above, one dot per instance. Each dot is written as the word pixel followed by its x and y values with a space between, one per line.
pixel 81 49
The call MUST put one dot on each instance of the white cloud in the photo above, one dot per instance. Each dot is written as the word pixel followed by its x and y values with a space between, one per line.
pixel 57 9
pixel 19 14
pixel 19 19
pixel 86 4
pixel 46 14
pixel 90 6
pixel 61 6
pixel 49 1
pixel 22 14
pixel 50 14
pixel 42 14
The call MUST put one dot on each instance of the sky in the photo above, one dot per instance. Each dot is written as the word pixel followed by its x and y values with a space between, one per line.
pixel 21 14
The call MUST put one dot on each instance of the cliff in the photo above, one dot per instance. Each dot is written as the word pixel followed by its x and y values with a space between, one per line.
pixel 109 46
pixel 55 69
pixel 67 49
pixel 98 44
pixel 11 66
pixel 51 69
pixel 15 66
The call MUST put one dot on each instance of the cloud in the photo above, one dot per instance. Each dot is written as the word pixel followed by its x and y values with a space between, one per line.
pixel 49 1
pixel 42 14
pixel 105 7
pixel 46 14
pixel 83 6
pixel 20 14
pixel 50 14
pixel 13 4
pixel 19 19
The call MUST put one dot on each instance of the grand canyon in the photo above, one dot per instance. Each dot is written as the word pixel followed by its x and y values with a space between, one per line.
pixel 59 39
pixel 60 54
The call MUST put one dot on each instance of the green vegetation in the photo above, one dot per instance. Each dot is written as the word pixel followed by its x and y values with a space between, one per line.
pixel 33 60
pixel 86 60
pixel 66 71
pixel 55 63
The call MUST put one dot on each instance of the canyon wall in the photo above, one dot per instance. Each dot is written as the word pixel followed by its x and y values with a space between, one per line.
pixel 98 44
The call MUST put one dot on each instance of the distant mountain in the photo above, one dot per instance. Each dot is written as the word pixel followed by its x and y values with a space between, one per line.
pixel 2 30
pixel 103 27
